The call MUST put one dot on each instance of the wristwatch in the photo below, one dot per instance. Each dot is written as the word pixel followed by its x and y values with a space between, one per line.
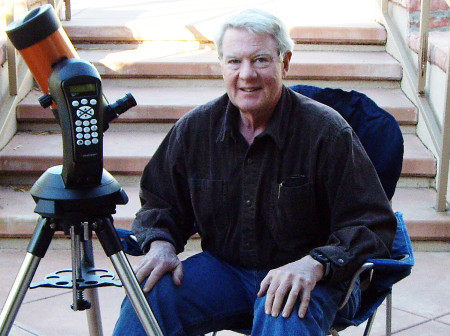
pixel 325 262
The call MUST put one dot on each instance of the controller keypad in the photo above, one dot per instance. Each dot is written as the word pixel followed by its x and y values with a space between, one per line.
pixel 86 125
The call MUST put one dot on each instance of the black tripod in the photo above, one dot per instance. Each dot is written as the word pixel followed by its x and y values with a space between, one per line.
pixel 78 212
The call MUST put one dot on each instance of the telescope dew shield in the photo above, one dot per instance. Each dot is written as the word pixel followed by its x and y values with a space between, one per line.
pixel 42 42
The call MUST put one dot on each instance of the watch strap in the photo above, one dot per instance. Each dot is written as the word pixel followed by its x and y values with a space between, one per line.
pixel 325 262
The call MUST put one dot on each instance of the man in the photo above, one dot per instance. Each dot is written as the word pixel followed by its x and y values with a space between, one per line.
pixel 280 190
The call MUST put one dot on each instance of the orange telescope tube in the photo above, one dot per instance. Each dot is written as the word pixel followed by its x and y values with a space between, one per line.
pixel 42 42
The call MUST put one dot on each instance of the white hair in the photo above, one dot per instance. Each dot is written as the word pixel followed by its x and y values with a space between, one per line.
pixel 259 22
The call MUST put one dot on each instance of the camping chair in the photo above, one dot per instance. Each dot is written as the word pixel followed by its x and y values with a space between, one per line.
pixel 383 274
pixel 382 139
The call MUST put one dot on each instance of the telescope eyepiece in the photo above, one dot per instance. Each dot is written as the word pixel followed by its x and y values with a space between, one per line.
pixel 115 109
pixel 123 104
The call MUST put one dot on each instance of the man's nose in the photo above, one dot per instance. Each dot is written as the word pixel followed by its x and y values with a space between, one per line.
pixel 247 70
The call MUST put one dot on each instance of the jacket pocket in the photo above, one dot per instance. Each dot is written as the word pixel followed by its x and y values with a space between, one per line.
pixel 295 218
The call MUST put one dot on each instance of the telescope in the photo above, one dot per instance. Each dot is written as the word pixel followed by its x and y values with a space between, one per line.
pixel 73 88
pixel 79 196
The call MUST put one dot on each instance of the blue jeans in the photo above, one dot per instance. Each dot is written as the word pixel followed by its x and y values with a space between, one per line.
pixel 217 296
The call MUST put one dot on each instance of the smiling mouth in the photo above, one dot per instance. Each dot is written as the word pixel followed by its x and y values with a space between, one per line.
pixel 249 90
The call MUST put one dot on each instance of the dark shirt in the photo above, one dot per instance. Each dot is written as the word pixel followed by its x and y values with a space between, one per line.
pixel 305 185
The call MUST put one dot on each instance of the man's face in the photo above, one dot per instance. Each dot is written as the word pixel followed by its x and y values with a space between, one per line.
pixel 252 71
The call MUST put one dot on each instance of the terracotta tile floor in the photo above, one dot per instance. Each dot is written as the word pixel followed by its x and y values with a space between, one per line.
pixel 421 302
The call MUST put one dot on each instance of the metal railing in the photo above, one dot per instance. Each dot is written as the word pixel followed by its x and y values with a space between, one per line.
pixel 440 132
pixel 11 51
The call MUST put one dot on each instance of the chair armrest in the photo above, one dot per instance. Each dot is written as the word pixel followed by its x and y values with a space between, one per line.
pixel 129 242
pixel 366 266
pixel 405 261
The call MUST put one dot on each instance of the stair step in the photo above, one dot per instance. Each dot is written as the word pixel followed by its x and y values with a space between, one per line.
pixel 128 152
pixel 417 159
pixel 364 33
pixel 147 62
pixel 168 42
pixel 418 208
pixel 123 152
pixel 198 20
pixel 168 104
pixel 18 219
pixel 368 33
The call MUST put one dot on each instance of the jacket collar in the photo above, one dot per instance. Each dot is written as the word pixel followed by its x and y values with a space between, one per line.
pixel 276 129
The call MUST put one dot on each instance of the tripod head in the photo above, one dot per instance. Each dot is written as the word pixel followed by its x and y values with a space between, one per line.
pixel 73 88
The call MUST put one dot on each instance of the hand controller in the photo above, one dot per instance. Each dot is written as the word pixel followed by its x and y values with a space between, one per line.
pixel 75 87
pixel 84 115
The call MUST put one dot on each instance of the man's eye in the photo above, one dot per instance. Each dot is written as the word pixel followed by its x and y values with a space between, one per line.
pixel 262 62
pixel 233 61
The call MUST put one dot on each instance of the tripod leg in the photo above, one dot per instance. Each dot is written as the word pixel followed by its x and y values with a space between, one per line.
pixel 94 317
pixel 18 292
pixel 37 247
pixel 113 248
pixel 135 294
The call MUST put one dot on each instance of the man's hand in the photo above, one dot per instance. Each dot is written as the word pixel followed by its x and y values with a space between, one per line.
pixel 160 259
pixel 293 280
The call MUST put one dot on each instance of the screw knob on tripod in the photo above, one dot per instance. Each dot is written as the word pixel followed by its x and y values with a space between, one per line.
pixel 45 100
pixel 81 304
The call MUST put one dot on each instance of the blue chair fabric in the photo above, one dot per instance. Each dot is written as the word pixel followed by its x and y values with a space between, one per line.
pixel 386 272
pixel 130 245
pixel 376 128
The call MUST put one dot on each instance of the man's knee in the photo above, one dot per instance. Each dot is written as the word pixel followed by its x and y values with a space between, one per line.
pixel 264 324
pixel 318 320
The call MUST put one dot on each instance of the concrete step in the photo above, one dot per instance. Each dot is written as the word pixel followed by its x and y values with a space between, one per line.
pixel 168 104
pixel 363 33
pixel 423 221
pixel 324 21
pixel 94 32
pixel 123 152
pixel 128 152
pixel 170 44
pixel 17 218
pixel 150 62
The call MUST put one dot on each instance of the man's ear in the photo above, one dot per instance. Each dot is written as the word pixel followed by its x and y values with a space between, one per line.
pixel 286 62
